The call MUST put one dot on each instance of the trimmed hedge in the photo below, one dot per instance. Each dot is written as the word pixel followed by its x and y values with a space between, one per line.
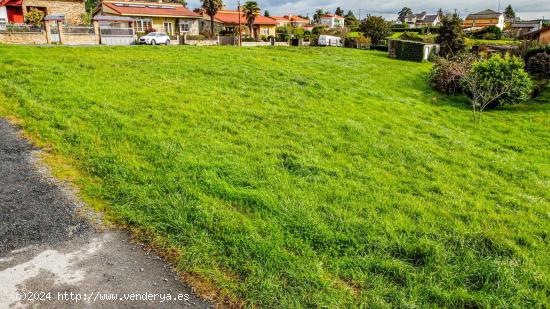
pixel 383 48
pixel 411 51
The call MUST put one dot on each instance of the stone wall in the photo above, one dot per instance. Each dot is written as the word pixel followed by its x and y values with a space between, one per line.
pixel 23 38
pixel 70 8
pixel 201 42
pixel 80 39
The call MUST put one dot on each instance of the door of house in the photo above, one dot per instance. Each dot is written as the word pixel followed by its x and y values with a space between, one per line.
pixel 168 27
pixel 54 32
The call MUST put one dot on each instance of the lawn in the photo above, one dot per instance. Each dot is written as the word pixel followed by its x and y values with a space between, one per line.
pixel 298 177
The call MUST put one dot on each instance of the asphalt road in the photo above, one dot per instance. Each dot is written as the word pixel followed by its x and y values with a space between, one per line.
pixel 53 256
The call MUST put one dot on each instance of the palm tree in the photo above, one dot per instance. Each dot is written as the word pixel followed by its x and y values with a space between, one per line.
pixel 251 10
pixel 211 7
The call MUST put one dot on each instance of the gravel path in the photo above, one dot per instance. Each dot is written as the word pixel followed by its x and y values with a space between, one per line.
pixel 50 257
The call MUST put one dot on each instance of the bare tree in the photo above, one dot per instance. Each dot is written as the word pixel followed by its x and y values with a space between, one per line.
pixel 483 92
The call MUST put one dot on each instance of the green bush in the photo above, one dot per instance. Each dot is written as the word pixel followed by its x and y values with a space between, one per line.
pixel 451 36
pixel 539 66
pixel 498 81
pixel 535 51
pixel 406 50
pixel 199 37
pixel 34 17
pixel 489 33
pixel 489 36
pixel 411 36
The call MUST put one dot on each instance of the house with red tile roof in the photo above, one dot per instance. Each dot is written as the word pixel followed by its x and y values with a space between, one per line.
pixel 290 20
pixel 262 26
pixel 332 20
pixel 171 18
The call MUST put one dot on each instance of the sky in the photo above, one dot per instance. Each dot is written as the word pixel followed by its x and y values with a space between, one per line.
pixel 525 9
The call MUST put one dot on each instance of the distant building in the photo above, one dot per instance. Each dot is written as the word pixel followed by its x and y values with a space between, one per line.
pixel 542 36
pixel 484 19
pixel 422 20
pixel 171 18
pixel 290 20
pixel 262 26
pixel 519 28
pixel 332 21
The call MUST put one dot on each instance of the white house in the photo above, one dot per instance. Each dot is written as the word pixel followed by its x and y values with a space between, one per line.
pixel 332 21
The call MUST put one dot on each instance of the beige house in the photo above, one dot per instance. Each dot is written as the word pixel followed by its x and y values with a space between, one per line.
pixel 170 17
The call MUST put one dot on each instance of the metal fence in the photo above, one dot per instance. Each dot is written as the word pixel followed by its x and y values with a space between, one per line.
pixel 19 28
pixel 78 30
pixel 117 31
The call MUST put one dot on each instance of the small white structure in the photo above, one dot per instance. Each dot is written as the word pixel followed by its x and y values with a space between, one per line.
pixel 329 40
pixel 332 21
pixel 3 17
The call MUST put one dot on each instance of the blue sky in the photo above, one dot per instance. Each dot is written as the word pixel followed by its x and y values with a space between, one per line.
pixel 526 9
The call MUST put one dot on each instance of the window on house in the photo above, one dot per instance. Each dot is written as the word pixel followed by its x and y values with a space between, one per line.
pixel 141 25
pixel 184 26
pixel 168 27
pixel 265 31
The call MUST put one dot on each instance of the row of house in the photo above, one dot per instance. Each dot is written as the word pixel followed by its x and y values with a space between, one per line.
pixel 473 21
pixel 161 15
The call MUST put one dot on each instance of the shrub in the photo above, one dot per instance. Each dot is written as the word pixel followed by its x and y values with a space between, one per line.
pixel 534 51
pixel 497 81
pixel 199 37
pixel 314 40
pixel 411 36
pixel 489 36
pixel 447 75
pixel 489 33
pixel 539 66
pixel 451 36
pixel 34 17
pixel 376 28
pixel 85 18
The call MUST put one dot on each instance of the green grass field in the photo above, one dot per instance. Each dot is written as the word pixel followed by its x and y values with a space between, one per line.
pixel 300 177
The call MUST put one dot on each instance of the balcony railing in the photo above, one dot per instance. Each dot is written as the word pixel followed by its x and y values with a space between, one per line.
pixel 78 30
pixel 117 31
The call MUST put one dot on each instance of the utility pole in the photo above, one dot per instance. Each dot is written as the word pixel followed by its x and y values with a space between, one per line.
pixel 240 31
pixel 498 6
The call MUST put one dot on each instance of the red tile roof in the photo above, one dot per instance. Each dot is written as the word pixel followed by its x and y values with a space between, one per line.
pixel 290 19
pixel 332 15
pixel 299 19
pixel 131 9
pixel 232 18
pixel 11 3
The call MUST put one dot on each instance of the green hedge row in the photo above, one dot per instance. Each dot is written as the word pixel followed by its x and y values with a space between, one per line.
pixel 408 50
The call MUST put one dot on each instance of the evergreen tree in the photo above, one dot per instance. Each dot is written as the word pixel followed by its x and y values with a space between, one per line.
pixel 266 13
pixel 451 36
pixel 339 11
pixel 351 21
pixel 509 12
pixel 376 28
pixel 404 13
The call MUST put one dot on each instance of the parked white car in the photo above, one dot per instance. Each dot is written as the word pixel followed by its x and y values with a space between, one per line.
pixel 155 38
